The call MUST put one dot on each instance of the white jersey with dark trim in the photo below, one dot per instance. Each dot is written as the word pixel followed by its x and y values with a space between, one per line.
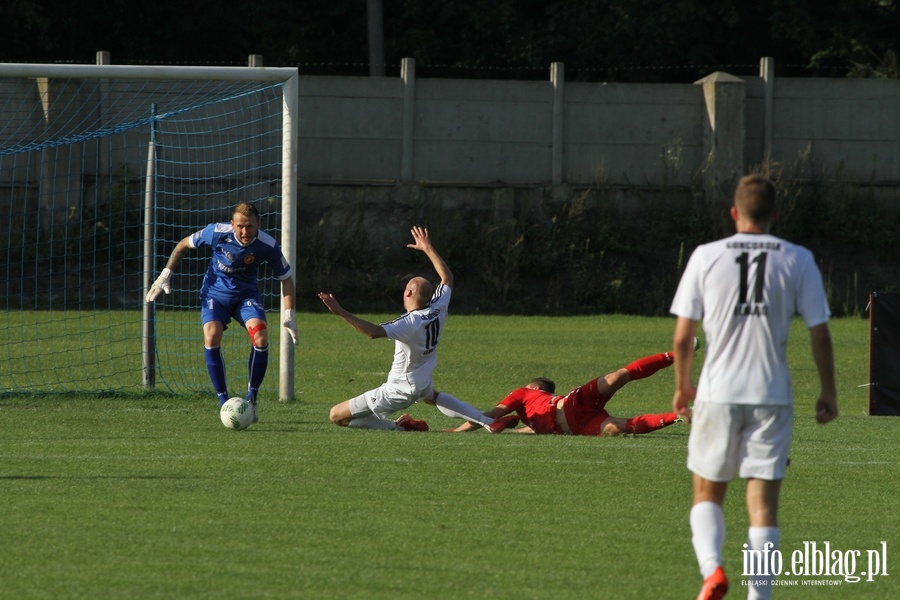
pixel 746 289
pixel 416 335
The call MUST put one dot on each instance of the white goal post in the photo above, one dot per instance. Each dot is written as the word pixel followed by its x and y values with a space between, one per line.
pixel 286 78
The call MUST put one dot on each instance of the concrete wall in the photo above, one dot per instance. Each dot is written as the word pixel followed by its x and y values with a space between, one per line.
pixel 849 125
pixel 503 132
pixel 630 134
pixel 350 130
pixel 497 132
pixel 363 130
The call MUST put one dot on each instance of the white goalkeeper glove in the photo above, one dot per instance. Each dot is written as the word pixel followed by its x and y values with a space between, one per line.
pixel 290 324
pixel 160 285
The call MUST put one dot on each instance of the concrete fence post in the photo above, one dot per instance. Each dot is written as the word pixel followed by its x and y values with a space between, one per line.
pixel 767 74
pixel 558 79
pixel 408 75
pixel 723 133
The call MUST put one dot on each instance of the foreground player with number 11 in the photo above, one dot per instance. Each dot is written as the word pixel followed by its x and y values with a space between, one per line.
pixel 746 289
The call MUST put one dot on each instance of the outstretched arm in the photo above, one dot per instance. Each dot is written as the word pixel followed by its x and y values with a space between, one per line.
pixel 370 330
pixel 423 243
pixel 495 413
pixel 181 248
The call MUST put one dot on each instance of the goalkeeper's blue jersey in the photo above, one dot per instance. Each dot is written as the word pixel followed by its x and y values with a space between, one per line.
pixel 233 269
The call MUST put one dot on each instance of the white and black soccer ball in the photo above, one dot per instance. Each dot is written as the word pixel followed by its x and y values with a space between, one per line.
pixel 236 414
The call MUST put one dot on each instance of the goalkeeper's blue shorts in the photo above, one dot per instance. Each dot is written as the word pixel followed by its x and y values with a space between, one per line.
pixel 241 309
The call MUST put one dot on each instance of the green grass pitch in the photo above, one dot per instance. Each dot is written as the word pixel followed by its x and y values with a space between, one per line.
pixel 149 496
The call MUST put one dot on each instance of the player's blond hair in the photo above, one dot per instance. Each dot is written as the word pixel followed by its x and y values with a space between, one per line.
pixel 246 209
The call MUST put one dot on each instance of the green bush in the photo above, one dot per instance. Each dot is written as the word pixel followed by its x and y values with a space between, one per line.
pixel 595 252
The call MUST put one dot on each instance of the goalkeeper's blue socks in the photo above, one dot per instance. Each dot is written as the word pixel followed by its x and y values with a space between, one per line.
pixel 215 364
pixel 259 362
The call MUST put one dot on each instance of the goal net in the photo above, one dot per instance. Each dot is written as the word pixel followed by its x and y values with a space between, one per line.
pixel 103 169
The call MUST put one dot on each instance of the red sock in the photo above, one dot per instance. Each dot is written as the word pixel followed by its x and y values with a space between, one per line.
pixel 647 366
pixel 648 423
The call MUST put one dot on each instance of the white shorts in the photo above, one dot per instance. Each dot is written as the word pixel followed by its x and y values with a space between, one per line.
pixel 387 399
pixel 753 441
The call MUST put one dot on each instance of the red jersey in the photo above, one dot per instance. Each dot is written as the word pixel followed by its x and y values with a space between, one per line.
pixel 534 407
pixel 585 409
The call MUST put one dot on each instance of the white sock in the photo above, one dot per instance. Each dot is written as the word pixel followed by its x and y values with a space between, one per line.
pixel 456 408
pixel 708 535
pixel 373 422
pixel 757 538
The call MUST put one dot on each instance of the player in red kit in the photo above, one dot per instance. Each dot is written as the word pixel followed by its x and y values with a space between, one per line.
pixel 583 410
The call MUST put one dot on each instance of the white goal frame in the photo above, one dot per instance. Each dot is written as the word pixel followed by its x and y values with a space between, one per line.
pixel 290 130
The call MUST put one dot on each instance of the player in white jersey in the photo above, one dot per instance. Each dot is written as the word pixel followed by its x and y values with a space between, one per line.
pixel 231 290
pixel 746 289
pixel 416 336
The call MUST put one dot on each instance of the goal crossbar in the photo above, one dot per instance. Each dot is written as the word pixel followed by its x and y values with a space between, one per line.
pixel 147 72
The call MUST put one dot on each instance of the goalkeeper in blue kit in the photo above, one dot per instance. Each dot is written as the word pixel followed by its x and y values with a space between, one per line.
pixel 230 291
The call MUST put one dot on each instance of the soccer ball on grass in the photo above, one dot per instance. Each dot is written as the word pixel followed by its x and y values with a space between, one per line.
pixel 236 414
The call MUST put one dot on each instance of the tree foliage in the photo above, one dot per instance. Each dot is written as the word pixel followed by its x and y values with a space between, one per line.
pixel 628 39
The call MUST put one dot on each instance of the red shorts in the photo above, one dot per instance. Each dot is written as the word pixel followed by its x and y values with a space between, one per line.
pixel 585 409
